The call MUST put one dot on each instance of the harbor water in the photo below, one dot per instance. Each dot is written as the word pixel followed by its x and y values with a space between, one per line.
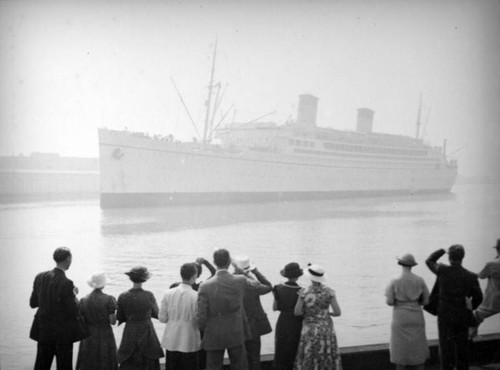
pixel 355 240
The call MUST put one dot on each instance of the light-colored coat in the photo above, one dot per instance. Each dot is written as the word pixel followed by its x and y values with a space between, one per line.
pixel 491 271
pixel 220 311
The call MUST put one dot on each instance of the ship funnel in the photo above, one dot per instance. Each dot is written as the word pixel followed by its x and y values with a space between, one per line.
pixel 365 120
pixel 308 107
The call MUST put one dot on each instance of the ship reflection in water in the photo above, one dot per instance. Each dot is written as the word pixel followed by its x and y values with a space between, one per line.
pixel 356 240
pixel 161 219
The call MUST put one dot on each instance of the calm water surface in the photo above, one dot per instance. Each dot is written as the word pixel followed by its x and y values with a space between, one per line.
pixel 356 240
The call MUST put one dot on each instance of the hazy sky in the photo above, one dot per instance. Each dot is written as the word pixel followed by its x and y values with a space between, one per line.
pixel 67 68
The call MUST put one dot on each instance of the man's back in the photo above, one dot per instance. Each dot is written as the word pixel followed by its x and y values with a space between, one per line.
pixel 53 295
pixel 456 287
pixel 178 310
pixel 220 311
pixel 455 284
pixel 257 318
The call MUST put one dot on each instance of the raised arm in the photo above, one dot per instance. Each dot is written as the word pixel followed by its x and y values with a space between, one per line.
pixel 431 261
pixel 265 286
pixel 208 265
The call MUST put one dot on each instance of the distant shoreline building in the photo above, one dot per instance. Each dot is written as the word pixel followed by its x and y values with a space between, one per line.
pixel 47 176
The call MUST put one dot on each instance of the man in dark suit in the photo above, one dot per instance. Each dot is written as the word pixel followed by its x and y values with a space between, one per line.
pixel 54 295
pixel 458 289
pixel 257 318
pixel 221 315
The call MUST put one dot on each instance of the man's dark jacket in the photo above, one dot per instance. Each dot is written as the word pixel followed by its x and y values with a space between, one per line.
pixel 57 308
pixel 256 316
pixel 455 284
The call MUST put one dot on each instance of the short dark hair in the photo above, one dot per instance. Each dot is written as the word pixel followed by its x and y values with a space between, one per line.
pixel 456 253
pixel 61 254
pixel 222 258
pixel 188 270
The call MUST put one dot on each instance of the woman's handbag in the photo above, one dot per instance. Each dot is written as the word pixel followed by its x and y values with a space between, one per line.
pixel 432 306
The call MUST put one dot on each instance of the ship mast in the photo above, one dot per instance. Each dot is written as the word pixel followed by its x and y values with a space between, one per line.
pixel 417 134
pixel 209 99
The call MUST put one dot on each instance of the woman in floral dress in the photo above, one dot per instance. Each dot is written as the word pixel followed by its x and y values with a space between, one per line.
pixel 98 352
pixel 140 348
pixel 318 347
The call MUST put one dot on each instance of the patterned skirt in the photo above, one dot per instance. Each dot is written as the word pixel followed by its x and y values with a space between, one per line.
pixel 318 347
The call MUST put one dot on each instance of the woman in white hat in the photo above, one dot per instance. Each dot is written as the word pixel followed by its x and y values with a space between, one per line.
pixel 318 347
pixel 407 293
pixel 99 350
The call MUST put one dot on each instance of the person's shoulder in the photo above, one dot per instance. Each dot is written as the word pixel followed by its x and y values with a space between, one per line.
pixel 493 264
pixel 328 289
pixel 108 297
pixel 417 277
pixel 148 293
pixel 207 284
pixel 470 275
pixel 244 281
pixel 43 274
pixel 172 291
pixel 124 295
pixel 239 277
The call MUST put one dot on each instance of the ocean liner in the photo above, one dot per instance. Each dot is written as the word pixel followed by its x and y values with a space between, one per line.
pixel 263 161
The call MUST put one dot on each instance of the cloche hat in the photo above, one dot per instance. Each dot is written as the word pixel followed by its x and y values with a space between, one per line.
pixel 291 270
pixel 316 273
pixel 97 280
pixel 407 260
pixel 139 274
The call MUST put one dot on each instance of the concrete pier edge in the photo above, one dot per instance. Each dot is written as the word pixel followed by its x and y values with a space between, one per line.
pixel 485 349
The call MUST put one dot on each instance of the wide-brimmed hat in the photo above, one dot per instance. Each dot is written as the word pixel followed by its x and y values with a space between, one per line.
pixel 243 263
pixel 139 273
pixel 498 244
pixel 291 270
pixel 316 273
pixel 407 260
pixel 97 280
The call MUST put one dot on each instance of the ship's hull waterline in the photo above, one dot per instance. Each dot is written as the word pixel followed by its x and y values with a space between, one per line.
pixel 139 171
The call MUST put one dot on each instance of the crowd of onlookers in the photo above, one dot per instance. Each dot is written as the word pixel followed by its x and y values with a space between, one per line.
pixel 224 313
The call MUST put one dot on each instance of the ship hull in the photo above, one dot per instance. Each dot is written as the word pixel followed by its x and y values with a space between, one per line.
pixel 118 200
pixel 141 171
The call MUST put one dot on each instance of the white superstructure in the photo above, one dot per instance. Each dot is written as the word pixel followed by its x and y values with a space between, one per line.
pixel 263 161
